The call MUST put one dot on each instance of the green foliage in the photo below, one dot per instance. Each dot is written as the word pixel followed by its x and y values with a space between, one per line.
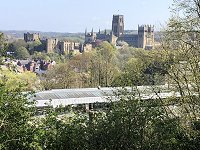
pixel 82 63
pixel 56 57
pixel 74 39
pixel 36 46
pixel 18 48
pixel 13 80
pixel 21 53
pixel 40 56
pixel 15 113
pixel 89 69
pixel 130 123
pixel 20 43
pixel 59 132
pixel 3 45
pixel 102 67
pixel 12 47
pixel 135 124
pixel 140 67
pixel 50 56
pixel 62 76
pixel 34 43
pixel 30 46
pixel 182 39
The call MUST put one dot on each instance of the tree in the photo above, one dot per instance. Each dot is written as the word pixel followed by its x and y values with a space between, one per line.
pixel 12 80
pixel 141 67
pixel 132 123
pixel 123 55
pixel 103 69
pixel 63 132
pixel 40 56
pixel 35 46
pixel 15 114
pixel 21 53
pixel 60 77
pixel 81 64
pixel 3 45
pixel 181 38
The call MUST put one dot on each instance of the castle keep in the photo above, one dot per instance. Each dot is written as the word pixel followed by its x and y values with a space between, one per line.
pixel 30 37
pixel 143 39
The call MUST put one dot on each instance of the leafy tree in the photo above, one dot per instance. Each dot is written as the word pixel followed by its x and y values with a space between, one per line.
pixel 12 80
pixel 40 56
pixel 81 63
pixel 140 67
pixel 134 72
pixel 16 44
pixel 20 43
pixel 123 55
pixel 3 45
pixel 35 46
pixel 133 123
pixel 63 132
pixel 181 38
pixel 103 69
pixel 21 53
pixel 62 76
pixel 56 57
pixel 15 115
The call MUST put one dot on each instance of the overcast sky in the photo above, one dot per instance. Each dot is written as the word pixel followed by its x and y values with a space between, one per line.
pixel 76 15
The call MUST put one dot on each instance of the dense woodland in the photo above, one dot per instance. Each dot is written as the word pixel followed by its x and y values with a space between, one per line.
pixel 130 123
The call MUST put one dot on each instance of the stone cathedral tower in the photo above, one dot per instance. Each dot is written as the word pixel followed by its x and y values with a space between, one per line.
pixel 146 37
pixel 118 25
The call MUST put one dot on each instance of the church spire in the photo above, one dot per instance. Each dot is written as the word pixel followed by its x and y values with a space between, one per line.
pixel 92 32
pixel 85 31
pixel 105 32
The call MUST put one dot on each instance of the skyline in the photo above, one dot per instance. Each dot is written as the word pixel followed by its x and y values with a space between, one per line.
pixel 75 16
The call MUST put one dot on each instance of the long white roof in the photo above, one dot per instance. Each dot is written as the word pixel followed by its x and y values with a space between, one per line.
pixel 63 97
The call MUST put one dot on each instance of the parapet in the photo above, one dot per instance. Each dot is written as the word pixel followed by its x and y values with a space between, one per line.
pixel 149 28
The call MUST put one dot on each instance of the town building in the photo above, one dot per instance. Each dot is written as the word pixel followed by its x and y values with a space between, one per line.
pixel 30 37
pixel 144 38
pixel 61 47
pixel 36 66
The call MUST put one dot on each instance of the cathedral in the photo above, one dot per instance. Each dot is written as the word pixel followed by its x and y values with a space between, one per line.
pixel 143 39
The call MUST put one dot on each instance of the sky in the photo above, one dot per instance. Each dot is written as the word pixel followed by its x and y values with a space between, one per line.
pixel 77 15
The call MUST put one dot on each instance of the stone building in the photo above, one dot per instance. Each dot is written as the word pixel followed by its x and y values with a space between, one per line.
pixel 30 37
pixel 65 47
pixel 51 45
pixel 143 39
pixel 95 38
pixel 87 47
pixel 90 37
pixel 61 47
pixel 146 36
pixel 118 25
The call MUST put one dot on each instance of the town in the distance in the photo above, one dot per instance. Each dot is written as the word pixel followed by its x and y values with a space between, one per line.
pixel 119 88
pixel 142 38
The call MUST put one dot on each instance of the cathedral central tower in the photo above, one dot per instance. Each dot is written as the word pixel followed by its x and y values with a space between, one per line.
pixel 118 25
